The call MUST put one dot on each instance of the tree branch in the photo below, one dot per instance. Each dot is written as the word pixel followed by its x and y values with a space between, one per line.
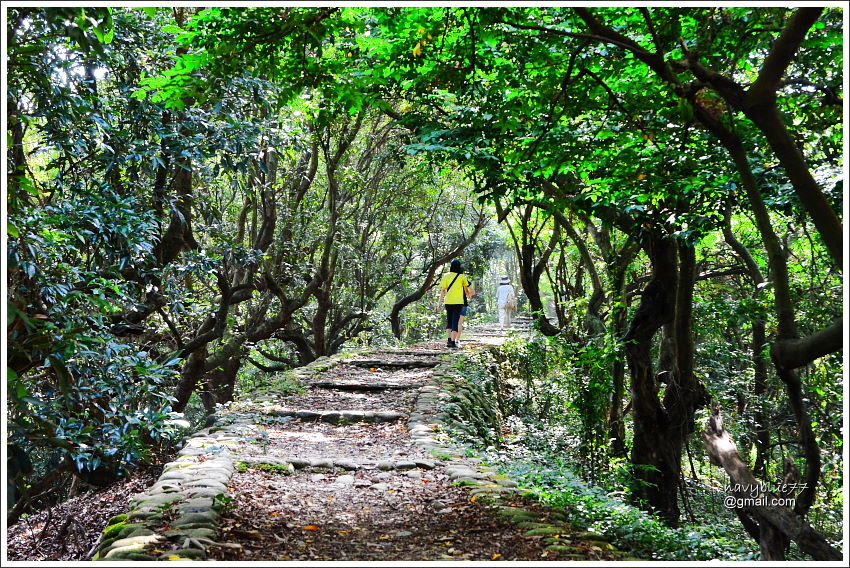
pixel 798 352
pixel 782 53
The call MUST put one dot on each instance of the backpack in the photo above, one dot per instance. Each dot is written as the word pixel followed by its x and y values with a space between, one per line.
pixel 510 301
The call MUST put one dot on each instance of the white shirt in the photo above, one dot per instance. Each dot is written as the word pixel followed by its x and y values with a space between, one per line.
pixel 502 294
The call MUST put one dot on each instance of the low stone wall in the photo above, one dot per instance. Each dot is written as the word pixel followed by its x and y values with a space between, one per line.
pixel 469 402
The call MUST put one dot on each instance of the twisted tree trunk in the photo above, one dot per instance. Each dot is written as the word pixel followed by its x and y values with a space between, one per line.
pixel 662 424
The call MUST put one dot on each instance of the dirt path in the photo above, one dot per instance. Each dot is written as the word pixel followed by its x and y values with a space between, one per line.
pixel 384 499
pixel 348 470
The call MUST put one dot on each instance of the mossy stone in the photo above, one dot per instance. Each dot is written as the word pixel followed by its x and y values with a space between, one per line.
pixel 113 530
pixel 545 531
pixel 134 529
pixel 532 524
pixel 467 481
pixel 184 553
pixel 194 526
pixel 196 532
pixel 200 532
pixel 149 516
pixel 117 519
pixel 209 516
pixel 279 468
pixel 562 548
pixel 139 556
pixel 159 500
pixel 107 542
pixel 587 535
pixel 604 545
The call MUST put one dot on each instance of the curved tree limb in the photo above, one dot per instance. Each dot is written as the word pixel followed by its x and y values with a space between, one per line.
pixel 799 352
pixel 763 507
pixel 782 53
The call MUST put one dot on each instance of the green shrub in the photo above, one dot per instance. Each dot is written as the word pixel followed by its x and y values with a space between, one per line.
pixel 589 507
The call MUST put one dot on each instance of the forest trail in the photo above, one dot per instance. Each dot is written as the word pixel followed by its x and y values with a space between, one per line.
pixel 353 469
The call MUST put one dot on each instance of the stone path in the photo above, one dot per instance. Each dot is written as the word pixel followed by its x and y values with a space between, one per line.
pixel 356 468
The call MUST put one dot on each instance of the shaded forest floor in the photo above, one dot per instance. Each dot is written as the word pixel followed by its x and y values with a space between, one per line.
pixel 315 483
pixel 69 531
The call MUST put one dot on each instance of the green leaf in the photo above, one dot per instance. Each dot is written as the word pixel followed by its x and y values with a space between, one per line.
pixel 172 29
pixel 28 186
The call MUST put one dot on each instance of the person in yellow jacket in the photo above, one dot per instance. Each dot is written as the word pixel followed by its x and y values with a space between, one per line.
pixel 455 287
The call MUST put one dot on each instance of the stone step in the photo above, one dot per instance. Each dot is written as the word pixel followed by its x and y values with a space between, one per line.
pixel 415 352
pixel 341 416
pixel 344 463
pixel 393 364
pixel 362 386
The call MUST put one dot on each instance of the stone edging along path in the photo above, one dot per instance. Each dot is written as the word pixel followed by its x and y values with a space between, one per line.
pixel 179 517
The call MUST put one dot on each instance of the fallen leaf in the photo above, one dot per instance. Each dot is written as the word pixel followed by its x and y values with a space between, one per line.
pixel 311 528
pixel 496 556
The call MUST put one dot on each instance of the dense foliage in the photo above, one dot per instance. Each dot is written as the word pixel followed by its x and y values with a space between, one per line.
pixel 192 191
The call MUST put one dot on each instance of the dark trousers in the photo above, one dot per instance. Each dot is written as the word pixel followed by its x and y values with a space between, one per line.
pixel 453 315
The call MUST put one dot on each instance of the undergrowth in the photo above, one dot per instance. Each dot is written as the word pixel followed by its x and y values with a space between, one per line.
pixel 545 451
pixel 589 507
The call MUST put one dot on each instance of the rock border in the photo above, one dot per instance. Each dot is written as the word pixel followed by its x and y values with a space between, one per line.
pixel 177 518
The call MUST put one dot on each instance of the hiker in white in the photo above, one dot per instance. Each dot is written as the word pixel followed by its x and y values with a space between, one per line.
pixel 506 300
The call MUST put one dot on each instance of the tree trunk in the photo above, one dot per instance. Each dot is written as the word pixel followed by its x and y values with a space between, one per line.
pixel 178 235
pixel 684 393
pixel 810 348
pixel 652 453
pixel 759 391
pixel 17 159
pixel 617 263
pixel 593 320
pixel 759 340
pixel 530 270
pixel 192 371
pixel 395 313
pixel 767 510
pixel 219 384
pixel 662 426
